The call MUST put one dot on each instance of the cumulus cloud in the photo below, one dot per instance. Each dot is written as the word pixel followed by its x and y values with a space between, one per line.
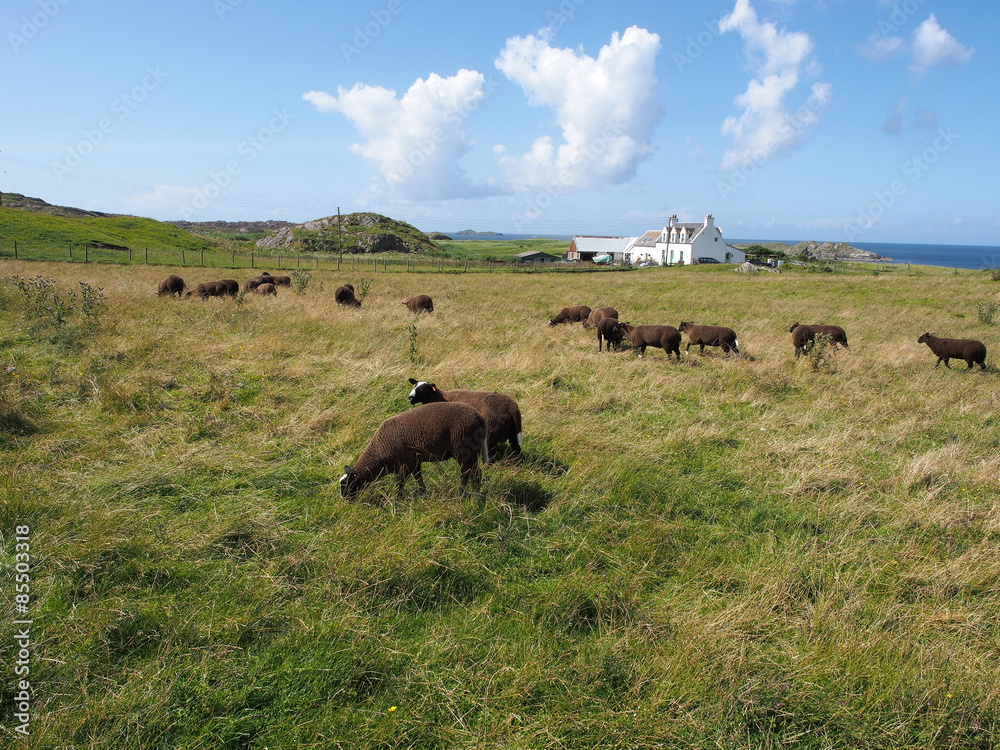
pixel 416 140
pixel 933 45
pixel 777 58
pixel 606 108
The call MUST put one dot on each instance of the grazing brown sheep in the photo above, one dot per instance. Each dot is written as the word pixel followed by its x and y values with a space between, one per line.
pixel 250 284
pixel 170 286
pixel 667 338
pixel 266 289
pixel 572 314
pixel 502 415
pixel 434 432
pixel 836 334
pixel 803 338
pixel 281 280
pixel 706 335
pixel 970 350
pixel 596 316
pixel 208 289
pixel 345 296
pixel 232 287
pixel 609 330
pixel 419 304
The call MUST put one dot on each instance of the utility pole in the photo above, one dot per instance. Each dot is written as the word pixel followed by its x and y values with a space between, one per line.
pixel 340 240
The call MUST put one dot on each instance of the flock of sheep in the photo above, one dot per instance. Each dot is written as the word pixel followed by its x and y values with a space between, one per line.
pixel 468 425
pixel 265 284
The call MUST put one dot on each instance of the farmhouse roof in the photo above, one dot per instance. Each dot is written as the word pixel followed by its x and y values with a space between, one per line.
pixel 590 244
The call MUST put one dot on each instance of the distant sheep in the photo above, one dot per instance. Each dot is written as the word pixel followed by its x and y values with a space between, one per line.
pixel 573 314
pixel 250 284
pixel 345 296
pixel 281 280
pixel 266 289
pixel 170 286
pixel 419 304
pixel 209 289
pixel 502 415
pixel 609 330
pixel 596 316
pixel 667 338
pixel 705 335
pixel 434 432
pixel 232 287
pixel 836 334
pixel 970 350
pixel 803 338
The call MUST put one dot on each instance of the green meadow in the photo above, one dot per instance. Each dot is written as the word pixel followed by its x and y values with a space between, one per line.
pixel 746 552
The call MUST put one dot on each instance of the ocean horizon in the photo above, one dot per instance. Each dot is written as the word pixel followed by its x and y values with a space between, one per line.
pixel 974 257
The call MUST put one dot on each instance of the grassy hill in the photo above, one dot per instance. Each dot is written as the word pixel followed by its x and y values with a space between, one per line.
pixel 39 226
pixel 752 552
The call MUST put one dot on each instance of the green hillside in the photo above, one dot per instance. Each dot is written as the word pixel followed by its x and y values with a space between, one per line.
pixel 37 225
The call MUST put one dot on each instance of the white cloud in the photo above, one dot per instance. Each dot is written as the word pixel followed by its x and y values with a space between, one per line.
pixel 777 58
pixel 933 45
pixel 414 141
pixel 879 47
pixel 606 107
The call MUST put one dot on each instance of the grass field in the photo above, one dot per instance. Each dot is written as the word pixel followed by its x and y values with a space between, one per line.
pixel 752 552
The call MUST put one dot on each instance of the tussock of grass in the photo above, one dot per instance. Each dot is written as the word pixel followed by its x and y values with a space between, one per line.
pixel 722 551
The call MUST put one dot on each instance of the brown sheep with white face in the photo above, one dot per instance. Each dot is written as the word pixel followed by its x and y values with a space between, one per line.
pixel 502 415
pixel 433 432
pixel 572 314
pixel 803 338
pixel 609 330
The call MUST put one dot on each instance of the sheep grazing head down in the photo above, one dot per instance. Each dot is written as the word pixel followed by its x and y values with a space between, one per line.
pixel 349 484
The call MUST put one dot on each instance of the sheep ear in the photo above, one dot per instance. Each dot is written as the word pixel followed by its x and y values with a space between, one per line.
pixel 412 381
pixel 434 387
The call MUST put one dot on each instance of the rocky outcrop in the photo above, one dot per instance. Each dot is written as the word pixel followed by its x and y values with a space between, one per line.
pixel 363 232
pixel 834 251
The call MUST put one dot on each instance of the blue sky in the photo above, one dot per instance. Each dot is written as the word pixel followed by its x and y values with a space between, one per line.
pixel 844 120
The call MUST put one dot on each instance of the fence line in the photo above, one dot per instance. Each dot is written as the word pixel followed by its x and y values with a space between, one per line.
pixel 230 259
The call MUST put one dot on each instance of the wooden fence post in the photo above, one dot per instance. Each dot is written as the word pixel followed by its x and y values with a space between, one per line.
pixel 203 257
pixel 183 257
pixel 146 250
pixel 232 260
pixel 251 259
pixel 86 252
pixel 71 251
pixel 15 249
pixel 130 255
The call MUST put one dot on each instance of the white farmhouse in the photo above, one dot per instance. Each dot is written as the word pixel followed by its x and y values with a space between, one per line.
pixel 682 243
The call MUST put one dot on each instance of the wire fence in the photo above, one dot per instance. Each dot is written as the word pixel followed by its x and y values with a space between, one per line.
pixel 212 258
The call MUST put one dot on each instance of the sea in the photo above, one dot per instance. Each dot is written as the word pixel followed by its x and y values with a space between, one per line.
pixel 949 256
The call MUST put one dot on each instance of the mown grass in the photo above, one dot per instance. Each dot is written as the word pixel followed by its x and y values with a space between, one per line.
pixel 744 552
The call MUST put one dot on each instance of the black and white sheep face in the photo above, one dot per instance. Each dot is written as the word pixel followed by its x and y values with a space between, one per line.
pixel 348 484
pixel 422 392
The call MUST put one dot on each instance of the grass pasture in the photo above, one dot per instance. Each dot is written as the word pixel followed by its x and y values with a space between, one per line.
pixel 756 552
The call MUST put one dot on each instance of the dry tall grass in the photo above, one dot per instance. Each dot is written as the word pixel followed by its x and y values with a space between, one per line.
pixel 741 552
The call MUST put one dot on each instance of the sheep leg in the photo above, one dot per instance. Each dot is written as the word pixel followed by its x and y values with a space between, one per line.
pixel 473 472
